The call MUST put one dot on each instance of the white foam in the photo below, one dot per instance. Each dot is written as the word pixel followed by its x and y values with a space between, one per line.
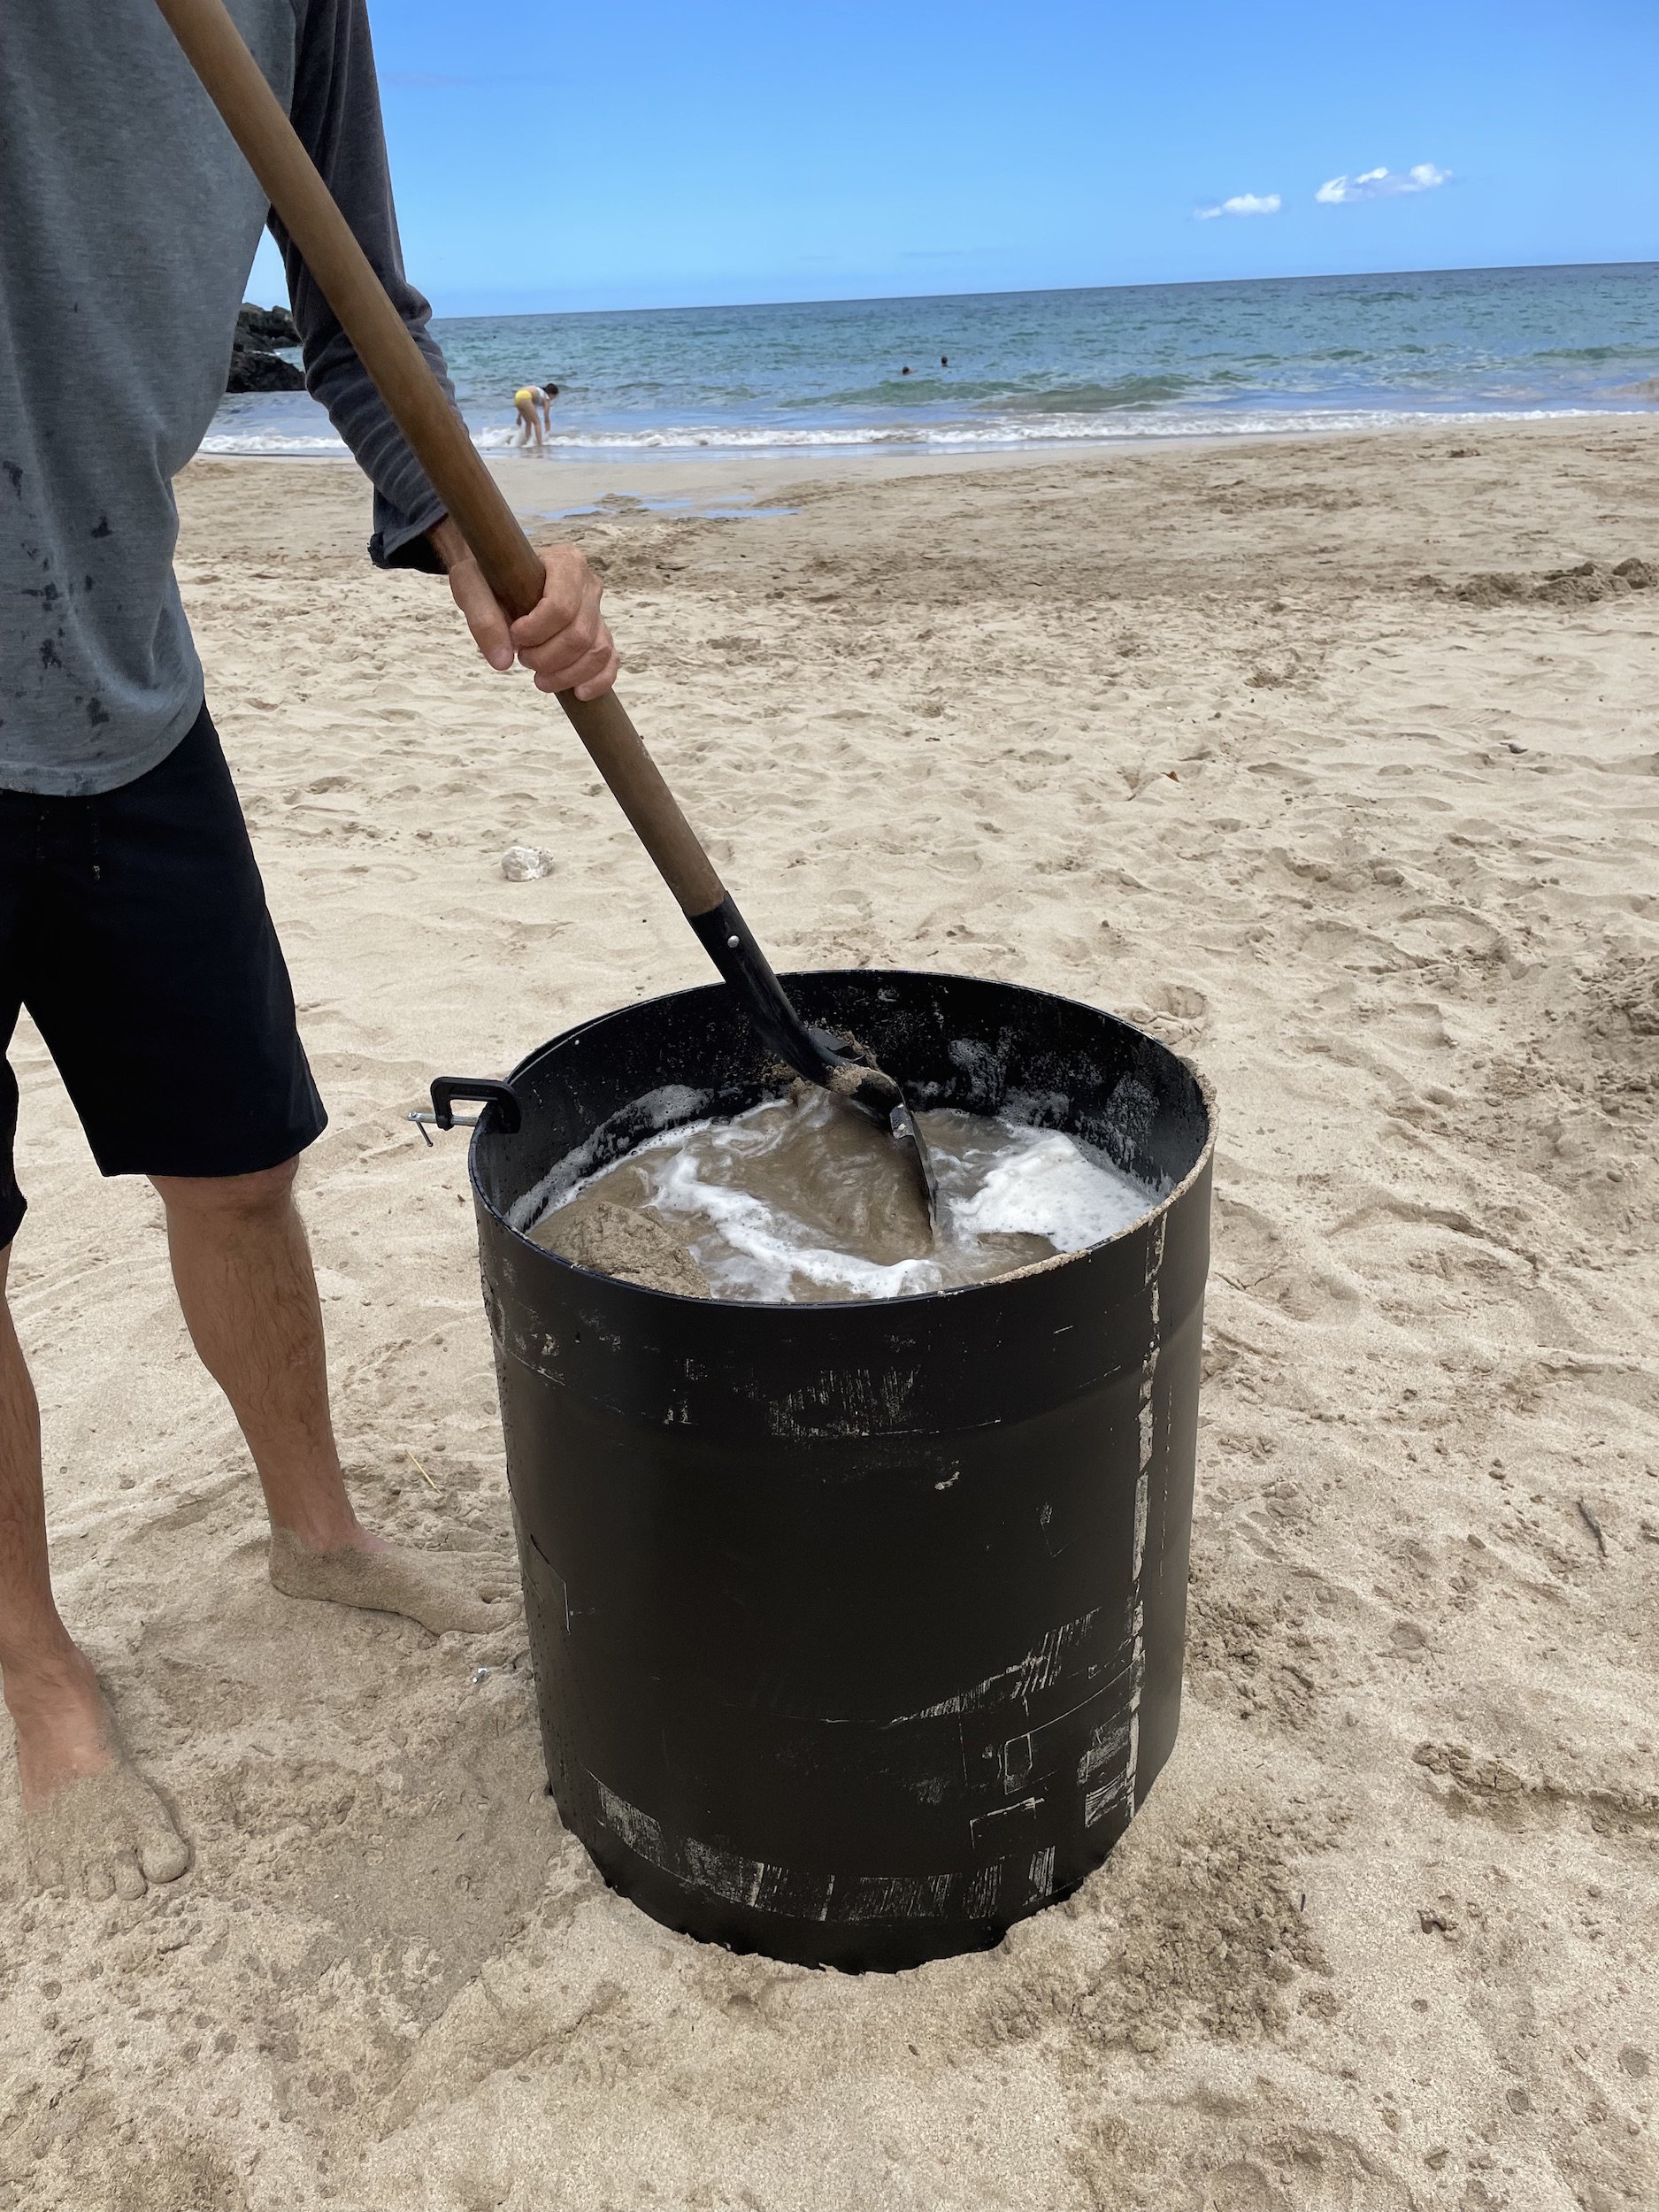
pixel 664 1108
pixel 277 444
pixel 992 432
pixel 997 1179
pixel 1050 1188
pixel 974 433
pixel 761 1247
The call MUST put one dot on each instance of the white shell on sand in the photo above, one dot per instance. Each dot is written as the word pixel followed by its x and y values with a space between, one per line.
pixel 523 863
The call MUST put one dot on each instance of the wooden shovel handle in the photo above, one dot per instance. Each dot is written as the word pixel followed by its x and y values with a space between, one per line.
pixel 417 402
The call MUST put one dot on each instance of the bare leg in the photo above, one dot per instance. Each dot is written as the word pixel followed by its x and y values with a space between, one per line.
pixel 243 1271
pixel 90 1820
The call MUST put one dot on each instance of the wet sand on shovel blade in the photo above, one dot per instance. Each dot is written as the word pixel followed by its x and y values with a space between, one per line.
pixel 1334 763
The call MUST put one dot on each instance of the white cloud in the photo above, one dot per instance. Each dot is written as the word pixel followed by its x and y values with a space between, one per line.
pixel 1381 184
pixel 1243 203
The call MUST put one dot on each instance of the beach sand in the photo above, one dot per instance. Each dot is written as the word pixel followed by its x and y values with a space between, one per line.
pixel 1309 757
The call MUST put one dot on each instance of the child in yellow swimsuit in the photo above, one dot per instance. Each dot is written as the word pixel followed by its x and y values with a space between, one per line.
pixel 535 411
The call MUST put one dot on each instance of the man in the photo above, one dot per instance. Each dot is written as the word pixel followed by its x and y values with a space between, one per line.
pixel 133 924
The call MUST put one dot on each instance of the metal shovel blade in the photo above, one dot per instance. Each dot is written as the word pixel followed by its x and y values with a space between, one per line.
pixel 902 1122
pixel 823 1059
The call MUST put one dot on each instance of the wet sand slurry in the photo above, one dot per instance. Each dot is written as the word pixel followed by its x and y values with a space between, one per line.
pixel 802 1200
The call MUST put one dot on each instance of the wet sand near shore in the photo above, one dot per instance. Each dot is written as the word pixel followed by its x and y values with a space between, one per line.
pixel 1334 762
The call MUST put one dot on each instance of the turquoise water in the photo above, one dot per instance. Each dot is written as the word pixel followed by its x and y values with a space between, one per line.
pixel 1043 368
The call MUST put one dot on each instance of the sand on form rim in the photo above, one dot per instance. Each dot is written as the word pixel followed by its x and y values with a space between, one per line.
pixel 1305 754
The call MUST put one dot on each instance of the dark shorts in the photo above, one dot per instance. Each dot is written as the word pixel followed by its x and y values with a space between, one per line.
pixel 134 927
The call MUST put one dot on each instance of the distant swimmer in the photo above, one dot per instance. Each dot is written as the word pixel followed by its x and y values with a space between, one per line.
pixel 905 371
pixel 535 403
pixel 944 360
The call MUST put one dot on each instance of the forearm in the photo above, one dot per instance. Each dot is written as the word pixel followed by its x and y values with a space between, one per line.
pixel 447 543
pixel 337 115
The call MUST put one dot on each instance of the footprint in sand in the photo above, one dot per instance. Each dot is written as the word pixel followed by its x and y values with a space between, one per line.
pixel 956 860
pixel 1177 1012
pixel 1253 1257
pixel 1239 2186
pixel 1447 932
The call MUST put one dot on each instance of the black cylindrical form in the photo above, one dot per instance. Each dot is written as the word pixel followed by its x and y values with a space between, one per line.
pixel 857 1627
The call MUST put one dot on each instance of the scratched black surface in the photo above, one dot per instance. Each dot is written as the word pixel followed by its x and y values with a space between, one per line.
pixel 842 1650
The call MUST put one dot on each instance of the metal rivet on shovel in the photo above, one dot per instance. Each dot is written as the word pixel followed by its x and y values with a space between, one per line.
pixel 417 402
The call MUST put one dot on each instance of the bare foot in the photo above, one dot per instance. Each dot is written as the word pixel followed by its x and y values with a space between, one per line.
pixel 91 1823
pixel 441 1590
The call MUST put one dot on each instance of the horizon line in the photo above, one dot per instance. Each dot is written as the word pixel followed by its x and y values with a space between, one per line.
pixel 1025 291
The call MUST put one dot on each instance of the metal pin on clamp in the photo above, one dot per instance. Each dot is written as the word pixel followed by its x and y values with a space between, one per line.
pixel 424 1121
pixel 447 1088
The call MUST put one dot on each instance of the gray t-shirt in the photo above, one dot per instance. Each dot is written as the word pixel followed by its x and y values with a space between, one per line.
pixel 128 222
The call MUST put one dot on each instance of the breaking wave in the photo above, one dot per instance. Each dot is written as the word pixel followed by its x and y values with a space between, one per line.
pixel 988 434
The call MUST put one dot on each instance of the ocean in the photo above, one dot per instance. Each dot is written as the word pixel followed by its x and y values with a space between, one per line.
pixel 1042 369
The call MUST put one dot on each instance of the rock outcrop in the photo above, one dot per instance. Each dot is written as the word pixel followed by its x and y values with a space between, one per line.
pixel 256 365
pixel 266 326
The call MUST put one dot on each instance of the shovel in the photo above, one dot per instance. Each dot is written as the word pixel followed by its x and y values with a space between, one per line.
pixel 417 402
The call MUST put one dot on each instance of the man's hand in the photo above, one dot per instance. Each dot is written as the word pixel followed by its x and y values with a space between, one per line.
pixel 563 641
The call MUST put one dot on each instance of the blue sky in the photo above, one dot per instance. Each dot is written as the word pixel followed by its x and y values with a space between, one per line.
pixel 649 154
